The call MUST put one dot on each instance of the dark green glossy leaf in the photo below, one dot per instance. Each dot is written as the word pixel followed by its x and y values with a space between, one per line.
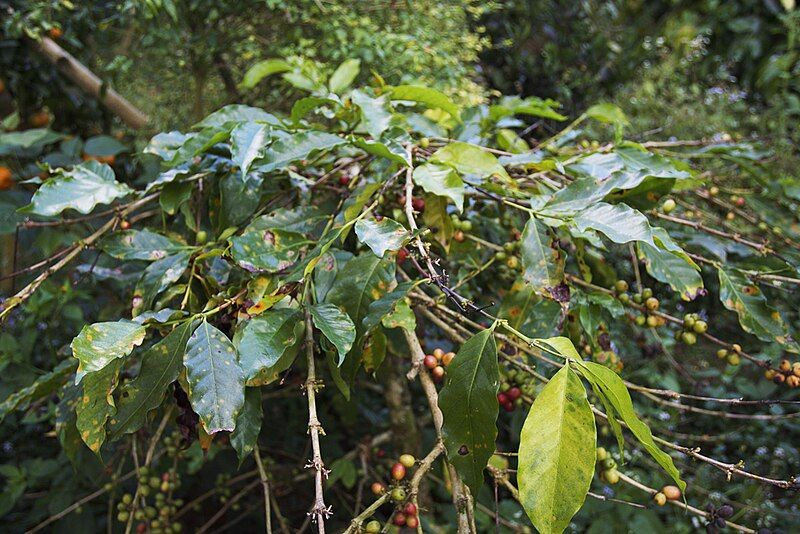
pixel 469 160
pixel 265 339
pixel 298 146
pixel 41 387
pixel 216 381
pixel 469 406
pixel 248 425
pixel 157 277
pixel 385 305
pixel 248 141
pixel 427 96
pixel 618 222
pixel 336 326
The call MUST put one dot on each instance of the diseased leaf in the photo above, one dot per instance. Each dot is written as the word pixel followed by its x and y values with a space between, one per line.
pixel 248 425
pixel 248 141
pixel 100 343
pixel 336 326
pixel 161 365
pixel 469 406
pixel 756 316
pixel 140 245
pixel 265 339
pixel 383 235
pixel 608 384
pixel 97 405
pixel 528 312
pixel 436 218
pixel 267 250
pixel 385 305
pixel 441 180
pixel 542 259
pixel 216 381
pixel 557 453
pixel 81 188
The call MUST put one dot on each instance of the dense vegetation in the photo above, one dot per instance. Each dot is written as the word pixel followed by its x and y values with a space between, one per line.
pixel 352 287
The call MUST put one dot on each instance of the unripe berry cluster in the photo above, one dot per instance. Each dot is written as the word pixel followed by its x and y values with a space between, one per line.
pixel 513 385
pixel 158 517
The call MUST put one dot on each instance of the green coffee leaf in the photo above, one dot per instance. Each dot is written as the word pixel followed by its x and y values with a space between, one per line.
pixel 608 384
pixel 41 387
pixel 375 114
pixel 756 316
pixel 81 188
pixel 618 222
pixel 336 326
pixel 383 235
pixel 426 96
pixel 261 70
pixel 386 305
pixel 675 269
pixel 344 75
pixel 248 141
pixel 542 259
pixel 469 406
pixel 441 180
pixel 298 146
pixel 97 405
pixel 100 343
pixel 608 113
pixel 157 277
pixel 139 245
pixel 161 365
pixel 557 453
pixel 216 381
pixel 469 160
pixel 244 438
pixel 265 338
pixel 267 250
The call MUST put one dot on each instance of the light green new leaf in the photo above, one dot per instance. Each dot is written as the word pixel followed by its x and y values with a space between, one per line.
pixel 97 405
pixel 139 245
pixel 391 149
pixel 426 96
pixel 336 326
pixel 756 316
pixel 618 222
pixel 248 425
pixel 267 250
pixel 375 113
pixel 216 381
pixel 441 180
pixel 608 113
pixel 161 365
pixel 470 160
pixel 557 453
pixel 298 146
pixel 265 338
pixel 248 141
pixel 100 343
pixel 383 235
pixel 261 70
pixel 608 384
pixel 81 188
pixel 542 259
pixel 305 105
pixel 344 75
pixel 469 406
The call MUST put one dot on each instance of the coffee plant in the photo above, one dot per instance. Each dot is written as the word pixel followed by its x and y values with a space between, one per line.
pixel 464 312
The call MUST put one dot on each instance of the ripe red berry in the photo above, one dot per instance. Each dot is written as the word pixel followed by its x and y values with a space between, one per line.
pixel 399 519
pixel 398 471
pixel 447 359
pixel 378 488
pixel 430 361
pixel 124 225
pixel 740 201
pixel 508 406
pixel 418 204
pixel 438 373
pixel 402 255
pixel 410 509
pixel 412 522
pixel 502 398
pixel 514 393
pixel 344 180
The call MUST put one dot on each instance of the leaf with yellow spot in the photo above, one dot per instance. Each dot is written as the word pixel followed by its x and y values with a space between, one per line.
pixel 755 315
pixel 100 343
pixel 97 405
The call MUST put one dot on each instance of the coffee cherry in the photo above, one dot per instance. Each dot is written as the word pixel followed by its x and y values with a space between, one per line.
pixel 673 493
pixel 502 398
pixel 624 298
pixel 408 460
pixel 700 327
pixel 410 509
pixel 668 205
pixel 430 361
pixel 689 338
pixel 458 236
pixel 602 454
pixel 378 488
pixel 398 495
pixel 621 286
pixel 501 256
pixel 722 354
pixel 793 381
pixel 734 359
pixel 402 255
pixel 609 463
pixel 779 378
pixel 651 303
pixel 398 471
pixel 785 366
pixel 466 226
pixel 713 190
pixel 373 527
pixel 611 476
pixel 437 373
pixel 418 204
pixel 739 202
pixel 736 347
pixel 201 237
pixel 769 374
pixel 640 320
pixel 660 499
pixel 512 263
pixel 412 522
pixel 688 320
pixel 123 517
pixel 124 224
pixel 127 499
pixel 652 321
pixel 637 298
pixel 514 393
pixel 647 293
pixel 399 519
pixel 447 359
